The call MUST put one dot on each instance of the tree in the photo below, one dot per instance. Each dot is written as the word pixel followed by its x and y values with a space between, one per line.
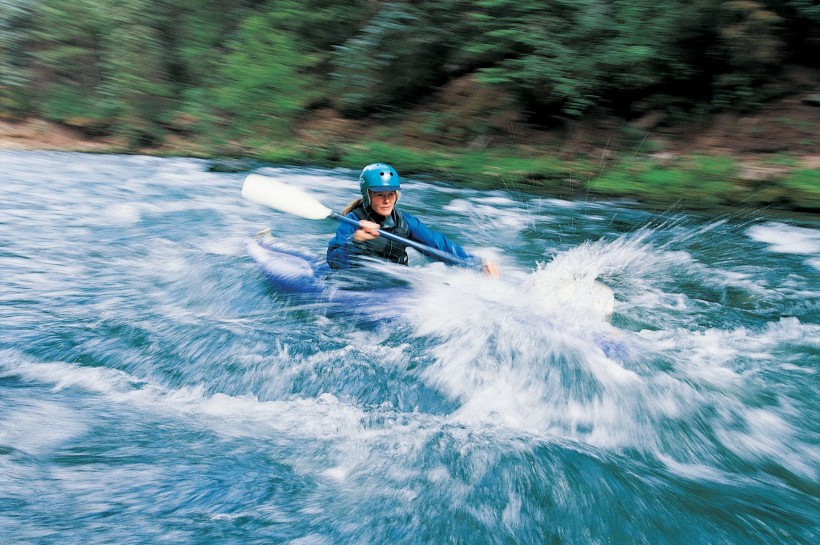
pixel 398 55
pixel 261 87
pixel 568 56
pixel 65 50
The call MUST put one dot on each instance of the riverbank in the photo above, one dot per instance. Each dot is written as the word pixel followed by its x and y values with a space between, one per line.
pixel 769 160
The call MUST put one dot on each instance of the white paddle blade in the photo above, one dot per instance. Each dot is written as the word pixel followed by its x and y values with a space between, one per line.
pixel 275 194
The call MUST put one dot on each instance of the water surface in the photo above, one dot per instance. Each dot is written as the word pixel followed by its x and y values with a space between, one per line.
pixel 153 388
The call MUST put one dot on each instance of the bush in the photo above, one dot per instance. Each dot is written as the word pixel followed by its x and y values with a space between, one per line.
pixel 803 188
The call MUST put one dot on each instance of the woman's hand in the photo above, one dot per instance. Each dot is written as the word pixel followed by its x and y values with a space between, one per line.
pixel 491 269
pixel 368 231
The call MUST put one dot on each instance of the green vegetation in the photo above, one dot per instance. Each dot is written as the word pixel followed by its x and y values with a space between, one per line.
pixel 440 87
pixel 703 180
pixel 802 188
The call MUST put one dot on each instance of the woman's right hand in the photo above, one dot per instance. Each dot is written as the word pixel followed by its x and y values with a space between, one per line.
pixel 368 231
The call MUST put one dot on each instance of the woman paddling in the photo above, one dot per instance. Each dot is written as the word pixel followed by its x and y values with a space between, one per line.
pixel 380 187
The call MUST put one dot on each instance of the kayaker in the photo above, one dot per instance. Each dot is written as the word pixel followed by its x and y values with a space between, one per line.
pixel 381 189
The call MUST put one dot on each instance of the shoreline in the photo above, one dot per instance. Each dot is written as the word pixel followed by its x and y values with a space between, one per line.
pixel 40 135
pixel 756 182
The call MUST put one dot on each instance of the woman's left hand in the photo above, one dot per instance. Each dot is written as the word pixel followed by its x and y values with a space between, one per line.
pixel 491 269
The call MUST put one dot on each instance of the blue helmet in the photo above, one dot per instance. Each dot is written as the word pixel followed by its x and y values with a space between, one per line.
pixel 378 177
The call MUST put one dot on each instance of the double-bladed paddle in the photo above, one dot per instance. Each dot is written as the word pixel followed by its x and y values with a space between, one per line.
pixel 285 198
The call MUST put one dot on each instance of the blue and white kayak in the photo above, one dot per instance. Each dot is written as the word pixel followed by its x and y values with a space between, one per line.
pixel 303 279
pixel 307 282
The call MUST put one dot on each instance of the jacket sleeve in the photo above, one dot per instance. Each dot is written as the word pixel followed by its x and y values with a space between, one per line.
pixel 423 234
pixel 342 246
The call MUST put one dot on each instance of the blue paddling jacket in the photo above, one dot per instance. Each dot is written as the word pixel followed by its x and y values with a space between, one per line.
pixel 343 250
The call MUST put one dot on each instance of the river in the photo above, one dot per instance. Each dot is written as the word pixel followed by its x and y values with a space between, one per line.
pixel 154 389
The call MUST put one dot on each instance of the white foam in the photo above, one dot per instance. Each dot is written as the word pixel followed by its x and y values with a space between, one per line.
pixel 311 539
pixel 766 435
pixel 513 216
pixel 787 239
pixel 231 416
pixel 506 360
pixel 123 213
pixel 36 426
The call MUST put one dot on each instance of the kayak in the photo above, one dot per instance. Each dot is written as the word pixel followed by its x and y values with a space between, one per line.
pixel 303 279
pixel 308 283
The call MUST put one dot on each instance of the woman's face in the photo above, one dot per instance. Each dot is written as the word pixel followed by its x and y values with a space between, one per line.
pixel 382 202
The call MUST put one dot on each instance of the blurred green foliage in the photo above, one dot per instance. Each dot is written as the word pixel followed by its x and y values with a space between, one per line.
pixel 399 54
pixel 259 83
pixel 143 68
pixel 245 75
pixel 802 187
pixel 569 55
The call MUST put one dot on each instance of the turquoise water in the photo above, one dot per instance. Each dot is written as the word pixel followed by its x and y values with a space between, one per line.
pixel 153 389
